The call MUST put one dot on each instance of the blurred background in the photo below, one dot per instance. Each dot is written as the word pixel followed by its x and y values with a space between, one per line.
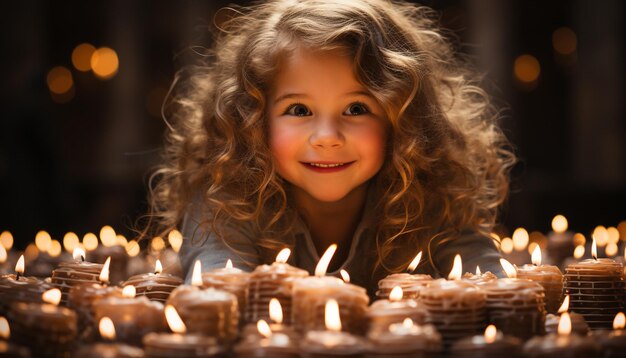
pixel 82 83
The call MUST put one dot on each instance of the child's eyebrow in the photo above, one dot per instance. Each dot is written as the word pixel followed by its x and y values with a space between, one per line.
pixel 295 95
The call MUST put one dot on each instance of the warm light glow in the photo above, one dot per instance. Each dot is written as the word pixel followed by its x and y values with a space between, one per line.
pixel 174 321
pixel 5 330
pixel 70 240
pixel 579 239
pixel 509 269
pixel 345 275
pixel 283 256
pixel 506 245
pixel 31 252
pixel 457 269
pixel 52 296
pixel 3 254
pixel 276 311
pixel 108 236
pixel 565 305
pixel 331 316
pixel 129 291
pixel 564 41
pixel 43 241
pixel 19 266
pixel 78 254
pixel 594 249
pixel 132 248
pixel 396 294
pixel 619 321
pixel 104 62
pixel 559 224
pixel 601 235
pixel 322 265
pixel 478 273
pixel 532 247
pixel 6 239
pixel 415 262
pixel 81 57
pixel 520 239
pixel 229 264
pixel 59 80
pixel 490 333
pixel 611 249
pixel 196 276
pixel 175 239
pixel 107 329
pixel 157 243
pixel 104 274
pixel 536 256
pixel 264 328
pixel 90 241
pixel 158 268
pixel 579 251
pixel 121 240
pixel 565 324
pixel 621 227
pixel 613 235
pixel 526 69
pixel 55 248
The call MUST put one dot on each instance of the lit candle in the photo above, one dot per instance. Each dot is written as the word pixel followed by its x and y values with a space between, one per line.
pixel 82 298
pixel 156 286
pixel 8 349
pixel 74 272
pixel 560 240
pixel 19 288
pixel 579 326
pixel 613 342
pixel 490 344
pixel 230 279
pixel 266 344
pixel 111 248
pixel 548 276
pixel 405 340
pixel 410 283
pixel 479 278
pixel 277 326
pixel 384 313
pixel 563 344
pixel 109 348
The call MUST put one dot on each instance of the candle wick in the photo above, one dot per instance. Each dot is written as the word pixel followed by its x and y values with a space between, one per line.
pixel 17 276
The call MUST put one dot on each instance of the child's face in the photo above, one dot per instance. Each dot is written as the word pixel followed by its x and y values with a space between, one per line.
pixel 320 116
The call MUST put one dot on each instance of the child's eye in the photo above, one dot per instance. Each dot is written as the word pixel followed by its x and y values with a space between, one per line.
pixel 356 109
pixel 298 110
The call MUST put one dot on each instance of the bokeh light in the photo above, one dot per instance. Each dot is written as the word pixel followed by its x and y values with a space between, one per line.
pixel 104 62
pixel 526 70
pixel 564 41
pixel 60 80
pixel 81 56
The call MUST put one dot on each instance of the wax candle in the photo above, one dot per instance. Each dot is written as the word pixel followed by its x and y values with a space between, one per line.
pixel 72 273
pixel 405 340
pixel 111 248
pixel 8 349
pixel 479 278
pixel 229 279
pixel 332 342
pixel 548 276
pixel 82 298
pixel 310 295
pixel 276 325
pixel 181 344
pixel 384 313
pixel 268 344
pixel 49 330
pixel 156 286
pixel 18 288
pixel 613 342
pixel 491 344
pixel 272 281
pixel 596 289
pixel 108 349
pixel 560 240
pixel 563 344
pixel 411 284
pixel 579 325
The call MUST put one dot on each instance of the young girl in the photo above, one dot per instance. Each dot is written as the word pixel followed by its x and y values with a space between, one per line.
pixel 314 122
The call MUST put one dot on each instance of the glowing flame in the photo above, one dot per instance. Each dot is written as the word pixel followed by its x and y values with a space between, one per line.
pixel 19 266
pixel 490 333
pixel 613 234
pixel 322 265
pixel 276 311
pixel 132 248
pixel 579 239
pixel 52 296
pixel 344 275
pixel 70 240
pixel 478 273
pixel 108 236
pixel 55 248
pixel 619 321
pixel 601 235
pixel 415 262
pixel 559 224
pixel 3 254
pixel 536 256
pixel 120 240
pixel 594 249
pixel 509 269
pixel 175 239
pixel 157 244
pixel 396 294
pixel 611 249
pixel 6 240
pixel 565 305
pixel 158 268
pixel 264 328
pixel 196 275
pixel 5 330
pixel 106 328
pixel 331 317
pixel 42 241
pixel 283 256
pixel 78 254
pixel 174 321
pixel 129 291
pixel 104 274
pixel 229 264
pixel 520 239
pixel 565 324
pixel 506 245
pixel 579 251
pixel 90 241
pixel 457 268
pixel 533 245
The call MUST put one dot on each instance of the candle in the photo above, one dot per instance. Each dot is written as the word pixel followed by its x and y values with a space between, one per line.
pixel 269 344
pixel 560 240
pixel 310 295
pixel 411 284
pixel 405 340
pixel 490 344
pixel 332 342
pixel 72 273
pixel 272 281
pixel 156 286
pixel 8 349
pixel 613 342
pixel 479 278
pixel 596 289
pixel 111 248
pixel 18 288
pixel 133 316
pixel 384 313
pixel 82 298
pixel 180 344
pixel 230 279
pixel 277 317
pixel 108 349
pixel 548 276
pixel 579 326
pixel 563 344
pixel 49 330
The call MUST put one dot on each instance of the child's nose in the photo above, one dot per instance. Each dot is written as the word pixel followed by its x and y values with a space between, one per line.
pixel 326 134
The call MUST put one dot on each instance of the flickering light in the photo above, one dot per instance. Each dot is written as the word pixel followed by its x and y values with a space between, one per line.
pixel 457 269
pixel 536 256
pixel 196 275
pixel 506 245
pixel 565 305
pixel 559 224
pixel 416 261
pixel 520 239
pixel 70 240
pixel 157 243
pixel 579 251
pixel 90 241
pixel 345 276
pixel 175 239
pixel 611 249
pixel 490 333
pixel 619 321
pixel 509 269
pixel 104 274
pixel 132 248
pixel 396 294
pixel 158 268
pixel 565 324
pixel 264 328
pixel 55 248
pixel 331 316
pixel 108 236
pixel 129 291
pixel 106 328
pixel 174 321
pixel 322 265
pixel 78 254
pixel 43 241
pixel 283 256
pixel 6 239
pixel 104 62
pixel 52 296
pixel 601 235
pixel 276 311
pixel 229 264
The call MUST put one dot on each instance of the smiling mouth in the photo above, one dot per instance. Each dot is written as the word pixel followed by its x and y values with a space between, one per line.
pixel 327 165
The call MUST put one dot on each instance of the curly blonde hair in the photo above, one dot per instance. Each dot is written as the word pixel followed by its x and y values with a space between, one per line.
pixel 446 167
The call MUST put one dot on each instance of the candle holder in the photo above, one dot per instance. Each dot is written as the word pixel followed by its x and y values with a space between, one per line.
pixel 411 284
pixel 72 273
pixel 384 313
pixel 82 298
pixel 155 286
pixel 550 278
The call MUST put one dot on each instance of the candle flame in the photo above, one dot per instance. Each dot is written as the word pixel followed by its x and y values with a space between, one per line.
pixel 565 324
pixel 506 245
pixel 344 275
pixel 620 321
pixel 611 249
pixel 106 328
pixel 52 296
pixel 42 241
pixel 407 323
pixel 276 311
pixel 264 328
pixel 520 239
pixel 536 256
pixel 322 265
pixel 559 224
pixel 396 294
pixel 3 254
pixel 5 330
pixel 601 234
pixel 174 321
pixel 579 251
pixel 78 254
pixel 175 239
pixel 478 273
pixel 565 305
pixel 283 256
pixel 6 240
pixel 90 241
pixel 158 268
pixel 196 275
pixel 132 248
pixel 104 274
pixel 157 244
pixel 331 317
pixel 70 240
pixel 594 249
pixel 416 261
pixel 490 333
pixel 509 269
pixel 229 264
pixel 129 291
pixel 55 248
pixel 19 266
pixel 457 268
pixel 108 236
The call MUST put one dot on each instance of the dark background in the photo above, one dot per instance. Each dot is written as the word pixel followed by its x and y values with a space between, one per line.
pixel 79 165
